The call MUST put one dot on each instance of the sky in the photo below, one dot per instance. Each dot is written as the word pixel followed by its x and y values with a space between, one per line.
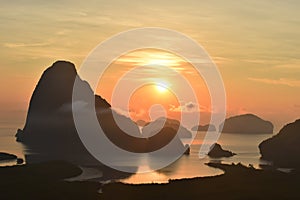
pixel 158 78
pixel 256 45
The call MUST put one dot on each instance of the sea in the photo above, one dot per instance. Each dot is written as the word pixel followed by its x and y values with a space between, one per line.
pixel 188 166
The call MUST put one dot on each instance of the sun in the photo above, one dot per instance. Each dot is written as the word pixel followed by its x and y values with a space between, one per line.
pixel 161 88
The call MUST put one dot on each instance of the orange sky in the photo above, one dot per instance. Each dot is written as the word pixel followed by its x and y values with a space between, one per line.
pixel 256 45
pixel 161 85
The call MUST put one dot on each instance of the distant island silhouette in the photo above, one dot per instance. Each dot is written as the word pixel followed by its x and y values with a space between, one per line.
pixel 247 124
pixel 283 149
pixel 207 127
pixel 50 132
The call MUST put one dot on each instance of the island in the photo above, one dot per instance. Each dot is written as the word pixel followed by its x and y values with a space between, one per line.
pixel 207 127
pixel 218 152
pixel 283 149
pixel 246 124
pixel 7 156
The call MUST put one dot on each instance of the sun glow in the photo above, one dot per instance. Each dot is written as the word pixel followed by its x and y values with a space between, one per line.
pixel 161 88
pixel 156 72
pixel 153 100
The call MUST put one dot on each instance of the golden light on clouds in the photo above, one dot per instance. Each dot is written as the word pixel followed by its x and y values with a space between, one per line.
pixel 161 70
pixel 152 57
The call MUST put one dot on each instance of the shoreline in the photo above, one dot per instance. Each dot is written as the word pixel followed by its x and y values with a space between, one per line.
pixel 238 182
pixel 35 181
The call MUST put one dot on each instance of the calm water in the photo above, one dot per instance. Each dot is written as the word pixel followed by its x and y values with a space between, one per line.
pixel 10 121
pixel 8 142
pixel 245 146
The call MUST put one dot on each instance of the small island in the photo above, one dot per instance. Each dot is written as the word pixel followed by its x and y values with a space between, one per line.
pixel 218 152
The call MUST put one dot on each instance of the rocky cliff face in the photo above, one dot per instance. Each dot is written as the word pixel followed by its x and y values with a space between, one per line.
pixel 49 131
pixel 247 124
pixel 283 149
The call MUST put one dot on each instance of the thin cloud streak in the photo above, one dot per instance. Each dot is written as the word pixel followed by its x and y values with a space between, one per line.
pixel 17 45
pixel 188 107
pixel 281 81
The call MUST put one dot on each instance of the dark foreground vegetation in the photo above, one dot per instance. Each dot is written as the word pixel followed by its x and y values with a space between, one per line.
pixel 238 182
pixel 46 181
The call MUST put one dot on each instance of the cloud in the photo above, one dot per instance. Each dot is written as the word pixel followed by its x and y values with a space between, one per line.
pixel 297 106
pixel 281 81
pixel 188 107
pixel 62 32
pixel 127 113
pixel 122 111
pixel 17 45
pixel 82 14
pixel 242 111
pixel 77 106
pixel 221 60
pixel 288 66
pixel 256 61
